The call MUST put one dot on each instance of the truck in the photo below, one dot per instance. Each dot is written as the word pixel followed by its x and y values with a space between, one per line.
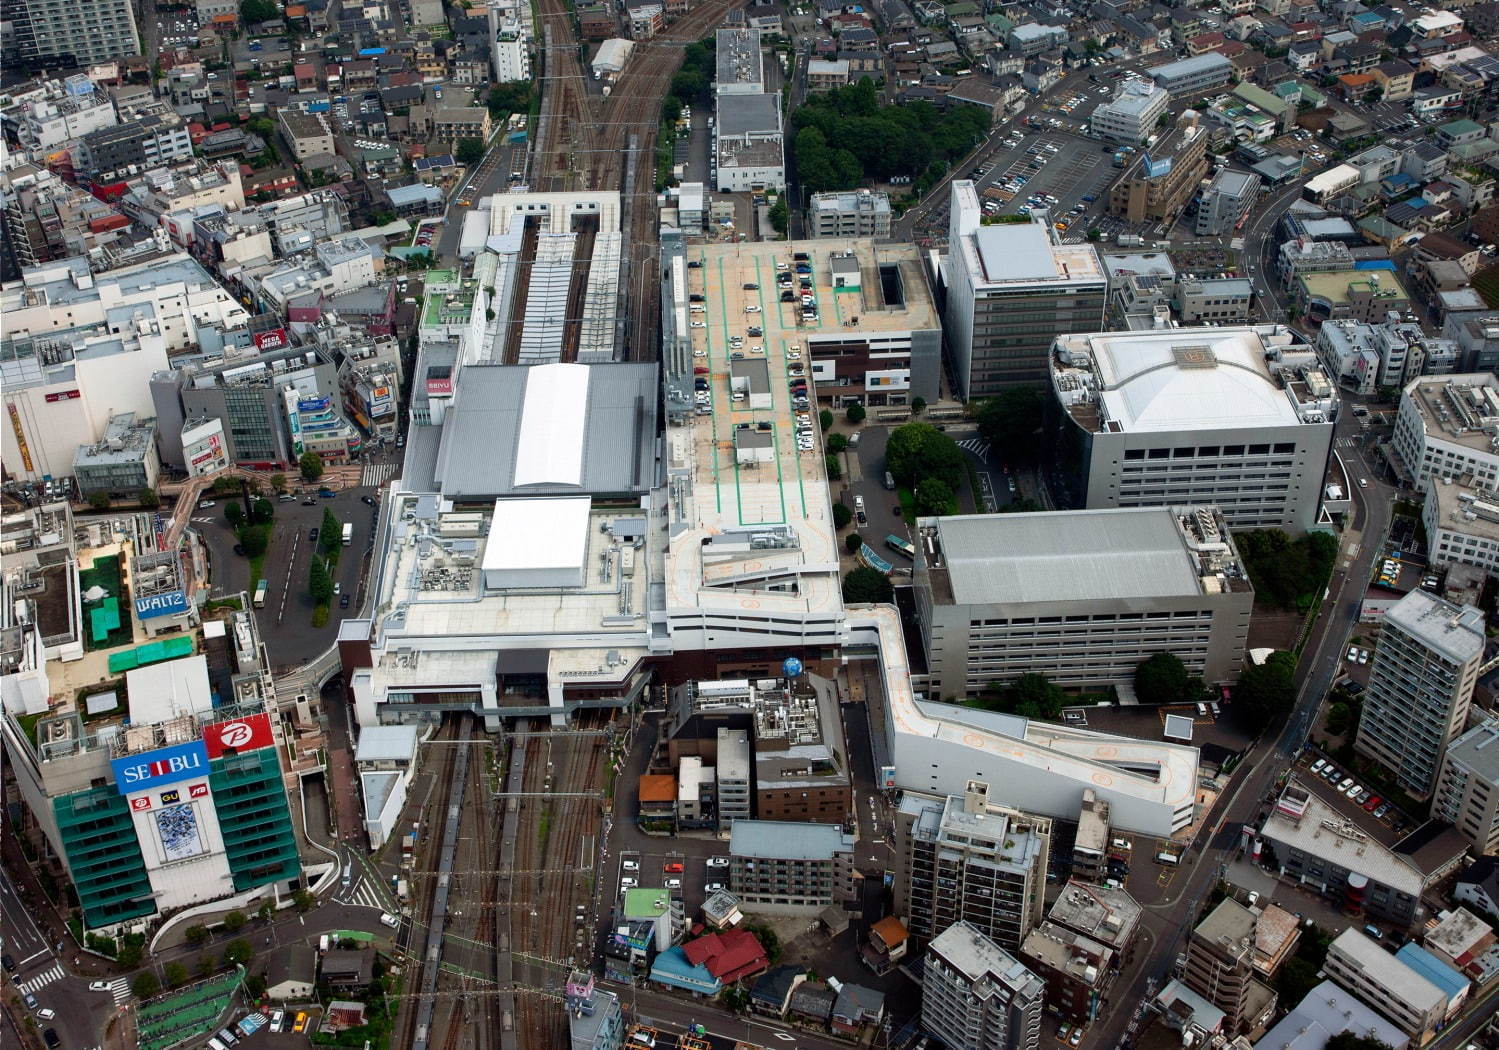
pixel 348 533
pixel 260 589
pixel 1129 240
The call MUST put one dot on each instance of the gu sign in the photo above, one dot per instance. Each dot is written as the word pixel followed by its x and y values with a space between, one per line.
pixel 165 765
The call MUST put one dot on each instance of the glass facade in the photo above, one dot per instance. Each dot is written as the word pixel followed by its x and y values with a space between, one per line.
pixel 104 856
pixel 250 800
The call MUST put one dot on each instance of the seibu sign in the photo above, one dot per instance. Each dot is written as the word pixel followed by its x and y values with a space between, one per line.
pixel 165 765
pixel 240 735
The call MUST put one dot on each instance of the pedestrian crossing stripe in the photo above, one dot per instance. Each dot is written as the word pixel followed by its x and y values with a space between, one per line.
pixel 41 980
pixel 377 474
pixel 120 989
pixel 368 895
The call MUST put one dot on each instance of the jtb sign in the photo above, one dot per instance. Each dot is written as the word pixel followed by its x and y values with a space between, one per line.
pixel 168 604
pixel 164 766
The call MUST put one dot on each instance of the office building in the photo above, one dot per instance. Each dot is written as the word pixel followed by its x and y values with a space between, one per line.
pixel 170 801
pixel 1467 795
pixel 1077 969
pixel 1221 966
pixel 1225 202
pixel 964 858
pixel 1325 852
pixel 749 142
pixel 733 772
pixel 781 868
pixel 1214 301
pixel 977 996
pixel 1104 914
pixel 58 34
pixel 850 213
pixel 123 463
pixel 1159 182
pixel 1240 418
pixel 1011 290
pixel 1361 965
pixel 1420 687
pixel 1356 295
pixel 1082 597
pixel 1446 426
pixel 1462 523
pixel 1131 116
pixel 801 761
pixel 1090 845
pixel 739 63
pixel 1193 76
pixel 595 1019
pixel 122 150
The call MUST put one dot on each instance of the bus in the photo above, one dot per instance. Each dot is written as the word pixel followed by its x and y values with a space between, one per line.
pixel 895 543
pixel 348 533
pixel 260 594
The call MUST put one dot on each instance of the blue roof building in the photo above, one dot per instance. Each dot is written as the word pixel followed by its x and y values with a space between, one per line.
pixel 673 970
pixel 1452 983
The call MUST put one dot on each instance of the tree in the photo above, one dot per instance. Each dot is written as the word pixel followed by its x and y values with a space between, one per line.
pixel 148 498
pixel 144 985
pixel 1266 692
pixel 835 470
pixel 855 414
pixel 933 496
pixel 235 921
pixel 918 405
pixel 266 911
pixel 1161 679
pixel 255 539
pixel 331 536
pixel 780 215
pixel 1339 715
pixel 841 516
pixel 278 482
pixel 319 583
pixel 825 419
pixel 836 442
pixel 852 542
pixel 505 99
pixel 251 11
pixel 1094 235
pixel 196 935
pixel 1030 696
pixel 919 450
pixel 1009 422
pixel 238 952
pixel 98 500
pixel 255 986
pixel 470 151
pixel 234 514
pixel 304 901
pixel 176 974
pixel 867 585
pixel 262 511
pixel 311 466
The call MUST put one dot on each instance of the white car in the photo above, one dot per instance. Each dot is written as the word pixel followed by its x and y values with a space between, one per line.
pixel 1353 654
pixel 699 353
pixel 98 986
pixel 751 309
pixel 700 324
pixel 793 355
pixel 628 884
pixel 673 884
pixel 630 865
pixel 718 862
pixel 713 887
pixel 1363 656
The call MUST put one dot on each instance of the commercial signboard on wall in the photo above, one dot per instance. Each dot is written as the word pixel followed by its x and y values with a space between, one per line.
pixel 240 735
pixel 168 603
pixel 166 765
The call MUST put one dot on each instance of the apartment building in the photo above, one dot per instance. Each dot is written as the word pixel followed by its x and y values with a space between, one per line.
pixel 1225 202
pixel 512 51
pixel 136 146
pixel 1161 180
pixel 964 858
pixel 306 134
pixel 1420 687
pixel 1363 966
pixel 1076 969
pixel 1447 426
pixel 1240 418
pixel 734 778
pixel 1216 301
pixel 1081 597
pixel 69 33
pixel 1193 76
pixel 1221 966
pixel 1467 795
pixel 977 996
pixel 783 868
pixel 1462 523
pixel 1011 290
pixel 850 213
pixel 1131 116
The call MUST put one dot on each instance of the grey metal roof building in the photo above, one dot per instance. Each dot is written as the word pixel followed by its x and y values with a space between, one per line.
pixel 1079 596
pixel 557 429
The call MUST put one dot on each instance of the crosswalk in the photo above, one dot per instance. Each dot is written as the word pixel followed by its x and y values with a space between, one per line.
pixel 978 446
pixel 368 894
pixel 120 989
pixel 377 474
pixel 33 984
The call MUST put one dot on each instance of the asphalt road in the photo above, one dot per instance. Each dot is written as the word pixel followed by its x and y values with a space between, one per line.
pixel 1166 923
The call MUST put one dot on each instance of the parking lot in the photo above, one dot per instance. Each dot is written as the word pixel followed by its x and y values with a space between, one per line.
pixel 685 875
pixel 1063 166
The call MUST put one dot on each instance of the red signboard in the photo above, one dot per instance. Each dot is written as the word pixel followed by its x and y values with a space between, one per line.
pixel 197 791
pixel 144 802
pixel 439 386
pixel 274 339
pixel 241 735
pixel 63 395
